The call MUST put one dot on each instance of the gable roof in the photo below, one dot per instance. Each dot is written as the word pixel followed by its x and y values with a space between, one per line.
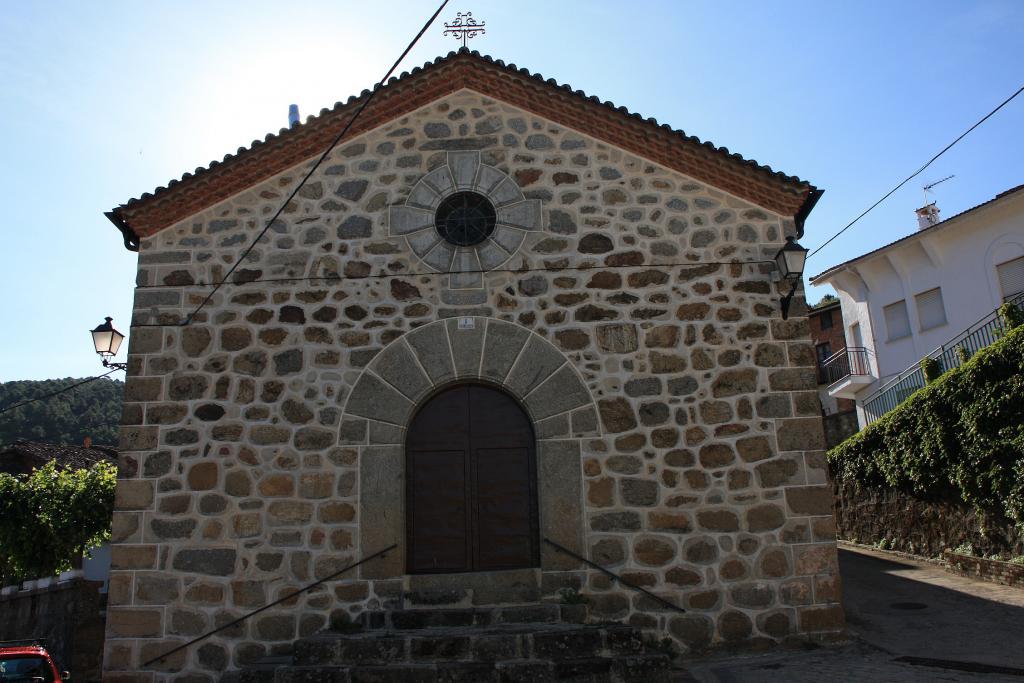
pixel 21 457
pixel 914 235
pixel 822 307
pixel 674 149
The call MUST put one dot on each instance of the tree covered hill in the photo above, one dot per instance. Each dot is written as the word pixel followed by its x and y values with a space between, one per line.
pixel 93 410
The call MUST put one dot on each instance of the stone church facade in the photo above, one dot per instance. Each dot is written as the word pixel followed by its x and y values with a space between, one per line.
pixel 615 321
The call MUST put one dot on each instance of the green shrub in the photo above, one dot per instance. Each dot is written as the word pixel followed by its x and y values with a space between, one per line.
pixel 1011 315
pixel 959 439
pixel 49 518
pixel 931 369
pixel 964 549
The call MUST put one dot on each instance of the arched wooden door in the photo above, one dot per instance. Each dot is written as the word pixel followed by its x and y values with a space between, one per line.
pixel 471 493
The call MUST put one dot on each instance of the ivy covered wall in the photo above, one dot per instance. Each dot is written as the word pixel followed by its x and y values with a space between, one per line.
pixel 948 461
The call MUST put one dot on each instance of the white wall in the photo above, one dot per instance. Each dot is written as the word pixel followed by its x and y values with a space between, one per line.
pixel 960 257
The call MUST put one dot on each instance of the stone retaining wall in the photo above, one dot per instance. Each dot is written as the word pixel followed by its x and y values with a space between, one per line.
pixel 996 571
pixel 923 528
pixel 634 317
pixel 69 615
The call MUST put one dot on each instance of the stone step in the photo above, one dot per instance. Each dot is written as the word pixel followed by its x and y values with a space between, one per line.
pixel 409 619
pixel 647 668
pixel 498 642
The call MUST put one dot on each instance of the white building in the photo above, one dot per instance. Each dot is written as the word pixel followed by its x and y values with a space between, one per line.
pixel 903 301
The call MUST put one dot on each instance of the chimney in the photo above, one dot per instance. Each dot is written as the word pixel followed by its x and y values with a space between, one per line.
pixel 927 216
pixel 293 115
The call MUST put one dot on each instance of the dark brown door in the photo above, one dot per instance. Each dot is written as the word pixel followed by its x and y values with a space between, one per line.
pixel 471 484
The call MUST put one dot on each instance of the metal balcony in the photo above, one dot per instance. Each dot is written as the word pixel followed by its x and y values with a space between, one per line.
pixel 846 371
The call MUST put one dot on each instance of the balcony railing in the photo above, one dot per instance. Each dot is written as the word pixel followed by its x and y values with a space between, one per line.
pixel 973 339
pixel 853 360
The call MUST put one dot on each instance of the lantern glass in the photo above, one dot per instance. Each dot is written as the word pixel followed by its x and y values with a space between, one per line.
pixel 106 339
pixel 790 260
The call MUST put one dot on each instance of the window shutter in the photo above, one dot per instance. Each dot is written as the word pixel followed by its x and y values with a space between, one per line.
pixel 897 323
pixel 1011 277
pixel 930 310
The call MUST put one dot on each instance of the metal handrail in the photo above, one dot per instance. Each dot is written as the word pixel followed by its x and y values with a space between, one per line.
pixel 977 336
pixel 852 360
pixel 837 354
pixel 613 575
pixel 379 553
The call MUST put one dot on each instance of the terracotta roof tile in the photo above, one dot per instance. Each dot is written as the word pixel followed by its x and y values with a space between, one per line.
pixel 204 187
pixel 21 457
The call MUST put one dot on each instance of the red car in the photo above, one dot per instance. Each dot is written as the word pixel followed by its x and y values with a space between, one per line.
pixel 28 661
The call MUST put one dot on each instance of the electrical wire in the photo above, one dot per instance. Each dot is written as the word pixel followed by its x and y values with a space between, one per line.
pixel 188 319
pixel 312 170
pixel 918 171
pixel 56 393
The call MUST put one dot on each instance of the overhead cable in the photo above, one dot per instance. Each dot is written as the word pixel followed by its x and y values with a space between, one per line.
pixel 341 134
pixel 918 171
pixel 56 393
pixel 295 191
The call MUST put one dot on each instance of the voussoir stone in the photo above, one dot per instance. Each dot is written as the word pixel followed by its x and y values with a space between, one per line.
pixel 398 367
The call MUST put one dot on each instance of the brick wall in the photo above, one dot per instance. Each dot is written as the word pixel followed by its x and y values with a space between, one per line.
pixel 822 333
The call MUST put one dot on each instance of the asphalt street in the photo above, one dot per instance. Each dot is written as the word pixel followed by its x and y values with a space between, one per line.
pixel 908 622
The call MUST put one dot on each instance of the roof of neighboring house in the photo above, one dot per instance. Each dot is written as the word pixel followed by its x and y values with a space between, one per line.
pixel 759 184
pixel 821 308
pixel 21 457
pixel 929 229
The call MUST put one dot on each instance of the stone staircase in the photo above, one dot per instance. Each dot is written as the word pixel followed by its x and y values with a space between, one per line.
pixel 529 643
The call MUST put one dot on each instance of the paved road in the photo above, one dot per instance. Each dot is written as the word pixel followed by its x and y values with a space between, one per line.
pixel 909 622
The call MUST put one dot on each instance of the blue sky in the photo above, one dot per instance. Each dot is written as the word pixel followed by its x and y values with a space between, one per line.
pixel 101 102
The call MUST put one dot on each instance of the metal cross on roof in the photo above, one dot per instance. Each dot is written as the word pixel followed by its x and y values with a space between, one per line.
pixel 464 27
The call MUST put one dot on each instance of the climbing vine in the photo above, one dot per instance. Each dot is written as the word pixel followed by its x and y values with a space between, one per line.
pixel 959 439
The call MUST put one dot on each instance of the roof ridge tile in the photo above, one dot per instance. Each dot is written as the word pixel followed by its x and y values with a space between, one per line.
pixel 132 205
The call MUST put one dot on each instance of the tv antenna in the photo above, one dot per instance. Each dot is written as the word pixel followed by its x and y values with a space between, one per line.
pixel 928 188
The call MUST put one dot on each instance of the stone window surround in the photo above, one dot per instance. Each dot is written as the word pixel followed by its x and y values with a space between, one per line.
pixel 413 368
pixel 464 171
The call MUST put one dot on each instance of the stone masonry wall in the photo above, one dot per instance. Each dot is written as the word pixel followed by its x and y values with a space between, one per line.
pixel 902 522
pixel 705 481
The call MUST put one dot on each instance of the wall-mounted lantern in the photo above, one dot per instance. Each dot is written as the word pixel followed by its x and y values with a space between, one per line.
pixel 107 341
pixel 790 261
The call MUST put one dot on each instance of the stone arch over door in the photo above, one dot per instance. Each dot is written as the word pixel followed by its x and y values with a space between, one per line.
pixel 410 369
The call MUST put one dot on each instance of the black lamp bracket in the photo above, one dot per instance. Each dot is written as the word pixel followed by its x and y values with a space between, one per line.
pixel 116 366
pixel 787 299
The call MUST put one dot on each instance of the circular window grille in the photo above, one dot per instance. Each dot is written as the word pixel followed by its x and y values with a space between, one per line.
pixel 465 218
